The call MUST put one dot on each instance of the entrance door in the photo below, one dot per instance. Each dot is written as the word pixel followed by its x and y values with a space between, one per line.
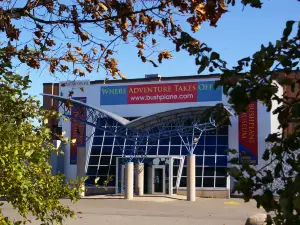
pixel 158 178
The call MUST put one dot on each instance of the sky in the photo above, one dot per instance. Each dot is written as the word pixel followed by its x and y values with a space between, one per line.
pixel 239 34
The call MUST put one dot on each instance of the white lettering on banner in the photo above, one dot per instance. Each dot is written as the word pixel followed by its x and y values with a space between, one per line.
pixel 161 97
pixel 75 83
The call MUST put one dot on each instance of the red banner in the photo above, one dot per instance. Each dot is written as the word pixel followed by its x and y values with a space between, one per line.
pixel 248 134
pixel 78 129
pixel 162 93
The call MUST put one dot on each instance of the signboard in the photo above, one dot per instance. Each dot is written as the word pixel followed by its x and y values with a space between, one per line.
pixel 73 83
pixel 248 134
pixel 78 130
pixel 160 93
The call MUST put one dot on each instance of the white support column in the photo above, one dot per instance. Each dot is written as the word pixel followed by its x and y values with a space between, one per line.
pixel 139 179
pixel 171 176
pixel 129 181
pixel 81 159
pixel 191 184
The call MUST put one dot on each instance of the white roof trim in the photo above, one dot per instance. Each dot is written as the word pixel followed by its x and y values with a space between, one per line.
pixel 115 117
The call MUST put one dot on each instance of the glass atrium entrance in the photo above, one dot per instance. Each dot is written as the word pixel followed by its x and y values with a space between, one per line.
pixel 160 177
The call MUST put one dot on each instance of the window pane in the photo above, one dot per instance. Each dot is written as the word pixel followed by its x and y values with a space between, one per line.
pixel 175 170
pixel 117 150
pixel 103 170
pixel 119 141
pixel 91 180
pixel 176 140
pixel 199 171
pixel 223 130
pixel 176 161
pixel 199 150
pixel 199 160
pixel 208 182
pixel 106 150
pixel 94 160
pixel 221 150
pixel 211 132
pixel 163 150
pixel 198 181
pixel 142 141
pixel 105 160
pixel 108 140
pixel 221 182
pixel 96 150
pixel 101 180
pixel 113 160
pixel 112 170
pixel 99 132
pixel 221 171
pixel 201 140
pixel 222 140
pixel 221 161
pixel 209 171
pixel 174 181
pixel 97 140
pixel 209 161
pixel 164 141
pixel 183 171
pixel 92 170
pixel 184 151
pixel 210 140
pixel 152 150
pixel 111 181
pixel 183 182
pixel 175 150
pixel 210 150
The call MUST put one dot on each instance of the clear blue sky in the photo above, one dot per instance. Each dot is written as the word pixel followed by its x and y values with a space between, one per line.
pixel 239 34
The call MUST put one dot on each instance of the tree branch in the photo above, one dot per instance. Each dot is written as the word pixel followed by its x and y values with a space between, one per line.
pixel 89 20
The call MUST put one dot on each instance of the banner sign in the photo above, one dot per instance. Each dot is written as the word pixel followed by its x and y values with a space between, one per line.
pixel 78 130
pixel 248 134
pixel 160 93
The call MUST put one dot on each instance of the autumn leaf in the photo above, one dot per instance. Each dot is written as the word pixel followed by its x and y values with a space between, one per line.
pixel 140 53
pixel 164 55
pixel 38 34
pixel 153 41
pixel 102 6
pixel 140 45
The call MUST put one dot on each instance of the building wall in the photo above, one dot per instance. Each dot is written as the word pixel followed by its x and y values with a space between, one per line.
pixel 266 121
pixel 50 104
pixel 295 76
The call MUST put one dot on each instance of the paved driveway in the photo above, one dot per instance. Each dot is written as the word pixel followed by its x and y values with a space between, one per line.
pixel 157 211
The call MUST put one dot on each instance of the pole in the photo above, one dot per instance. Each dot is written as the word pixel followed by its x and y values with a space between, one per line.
pixel 191 180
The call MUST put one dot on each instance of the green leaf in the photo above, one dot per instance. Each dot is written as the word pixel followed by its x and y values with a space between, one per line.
pixel 296 202
pixel 277 171
pixel 201 69
pixel 29 153
pixel 289 27
pixel 214 55
pixel 234 161
pixel 266 155
pixel 232 151
pixel 96 180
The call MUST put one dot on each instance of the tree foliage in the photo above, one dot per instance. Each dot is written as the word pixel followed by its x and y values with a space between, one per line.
pixel 61 35
pixel 26 180
pixel 275 186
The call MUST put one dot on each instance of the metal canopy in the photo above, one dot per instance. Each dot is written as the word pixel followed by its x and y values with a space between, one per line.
pixel 111 115
pixel 148 122
pixel 184 122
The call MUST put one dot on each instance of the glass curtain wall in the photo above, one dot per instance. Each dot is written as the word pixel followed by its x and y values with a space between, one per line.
pixel 211 157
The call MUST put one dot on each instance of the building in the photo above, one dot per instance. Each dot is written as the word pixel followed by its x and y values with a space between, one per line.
pixel 101 153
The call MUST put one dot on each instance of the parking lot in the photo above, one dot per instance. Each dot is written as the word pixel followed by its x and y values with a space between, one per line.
pixel 156 210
